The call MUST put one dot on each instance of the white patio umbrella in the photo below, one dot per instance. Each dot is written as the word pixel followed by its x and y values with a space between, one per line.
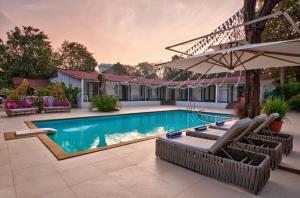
pixel 243 57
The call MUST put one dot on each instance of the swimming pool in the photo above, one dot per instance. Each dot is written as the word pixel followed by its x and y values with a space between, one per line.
pixel 80 134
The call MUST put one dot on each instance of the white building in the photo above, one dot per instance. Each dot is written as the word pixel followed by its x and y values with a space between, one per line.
pixel 133 91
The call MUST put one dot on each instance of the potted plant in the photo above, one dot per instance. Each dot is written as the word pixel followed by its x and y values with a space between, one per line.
pixel 276 105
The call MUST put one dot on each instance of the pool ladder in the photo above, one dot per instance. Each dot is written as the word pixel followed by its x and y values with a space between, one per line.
pixel 191 106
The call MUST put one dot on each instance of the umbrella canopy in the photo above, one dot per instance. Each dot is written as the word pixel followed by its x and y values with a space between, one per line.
pixel 243 57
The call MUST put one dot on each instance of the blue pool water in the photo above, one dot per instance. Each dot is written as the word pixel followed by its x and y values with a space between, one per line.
pixel 80 134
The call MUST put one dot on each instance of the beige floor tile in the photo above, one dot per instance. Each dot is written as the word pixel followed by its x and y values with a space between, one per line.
pixel 208 187
pixel 5 177
pixel 129 176
pixel 124 194
pixel 4 157
pixel 39 187
pixel 32 173
pixel 3 144
pixel 61 193
pixel 138 156
pixel 100 156
pixel 153 187
pixel 29 159
pixel 187 177
pixel 71 163
pixel 102 186
pixel 156 166
pixel 80 174
pixel 282 184
pixel 7 193
pixel 23 145
pixel 119 151
pixel 110 165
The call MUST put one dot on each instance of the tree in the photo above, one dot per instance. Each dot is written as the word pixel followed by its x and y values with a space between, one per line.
pixel 75 56
pixel 280 29
pixel 27 53
pixel 118 69
pixel 254 35
pixel 147 70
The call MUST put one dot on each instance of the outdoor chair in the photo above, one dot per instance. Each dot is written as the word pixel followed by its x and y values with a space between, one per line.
pixel 19 111
pixel 246 142
pixel 263 132
pixel 51 108
pixel 216 159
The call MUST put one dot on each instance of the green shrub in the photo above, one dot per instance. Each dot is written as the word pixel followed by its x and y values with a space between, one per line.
pixel 71 93
pixel 5 91
pixel 95 102
pixel 275 105
pixel 37 101
pixel 42 91
pixel 294 102
pixel 104 103
pixel 287 90
pixel 290 89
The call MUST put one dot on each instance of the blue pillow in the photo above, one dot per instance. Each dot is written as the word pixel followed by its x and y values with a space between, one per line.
pixel 174 134
pixel 220 123
pixel 201 128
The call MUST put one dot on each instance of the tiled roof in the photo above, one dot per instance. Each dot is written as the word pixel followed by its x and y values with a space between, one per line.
pixel 213 81
pixel 80 74
pixel 32 83
pixel 142 80
pixel 117 78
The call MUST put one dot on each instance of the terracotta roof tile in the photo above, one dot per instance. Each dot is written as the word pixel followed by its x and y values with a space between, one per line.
pixel 80 74
pixel 32 83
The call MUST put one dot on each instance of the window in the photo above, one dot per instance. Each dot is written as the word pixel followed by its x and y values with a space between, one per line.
pixel 208 93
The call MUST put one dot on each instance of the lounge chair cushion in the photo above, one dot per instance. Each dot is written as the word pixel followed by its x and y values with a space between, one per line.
pixel 198 144
pixel 58 107
pixel 215 132
pixel 22 109
pixel 230 135
pixel 255 122
pixel 271 118
pixel 226 125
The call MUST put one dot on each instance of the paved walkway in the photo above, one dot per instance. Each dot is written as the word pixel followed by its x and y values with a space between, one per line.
pixel 28 169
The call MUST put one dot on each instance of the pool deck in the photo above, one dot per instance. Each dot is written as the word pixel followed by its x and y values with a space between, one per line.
pixel 29 169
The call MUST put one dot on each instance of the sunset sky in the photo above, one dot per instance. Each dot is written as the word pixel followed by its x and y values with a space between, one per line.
pixel 126 31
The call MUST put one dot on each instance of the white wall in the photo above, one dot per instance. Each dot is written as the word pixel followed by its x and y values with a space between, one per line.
pixel 110 88
pixel 202 104
pixel 67 80
pixel 62 78
pixel 139 103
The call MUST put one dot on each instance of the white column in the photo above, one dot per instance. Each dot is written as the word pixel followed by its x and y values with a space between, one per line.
pixel 82 92
pixel 216 94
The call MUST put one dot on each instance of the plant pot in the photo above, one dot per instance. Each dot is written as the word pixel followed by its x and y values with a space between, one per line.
pixel 276 126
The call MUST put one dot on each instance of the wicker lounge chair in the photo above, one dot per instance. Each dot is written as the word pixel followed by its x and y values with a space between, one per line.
pixel 20 111
pixel 218 160
pixel 16 98
pixel 54 109
pixel 263 132
pixel 57 109
pixel 243 141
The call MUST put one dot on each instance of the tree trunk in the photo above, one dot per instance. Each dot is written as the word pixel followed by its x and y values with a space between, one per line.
pixel 253 35
pixel 253 92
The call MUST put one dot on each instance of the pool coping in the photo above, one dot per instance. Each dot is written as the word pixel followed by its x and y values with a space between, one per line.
pixel 60 154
